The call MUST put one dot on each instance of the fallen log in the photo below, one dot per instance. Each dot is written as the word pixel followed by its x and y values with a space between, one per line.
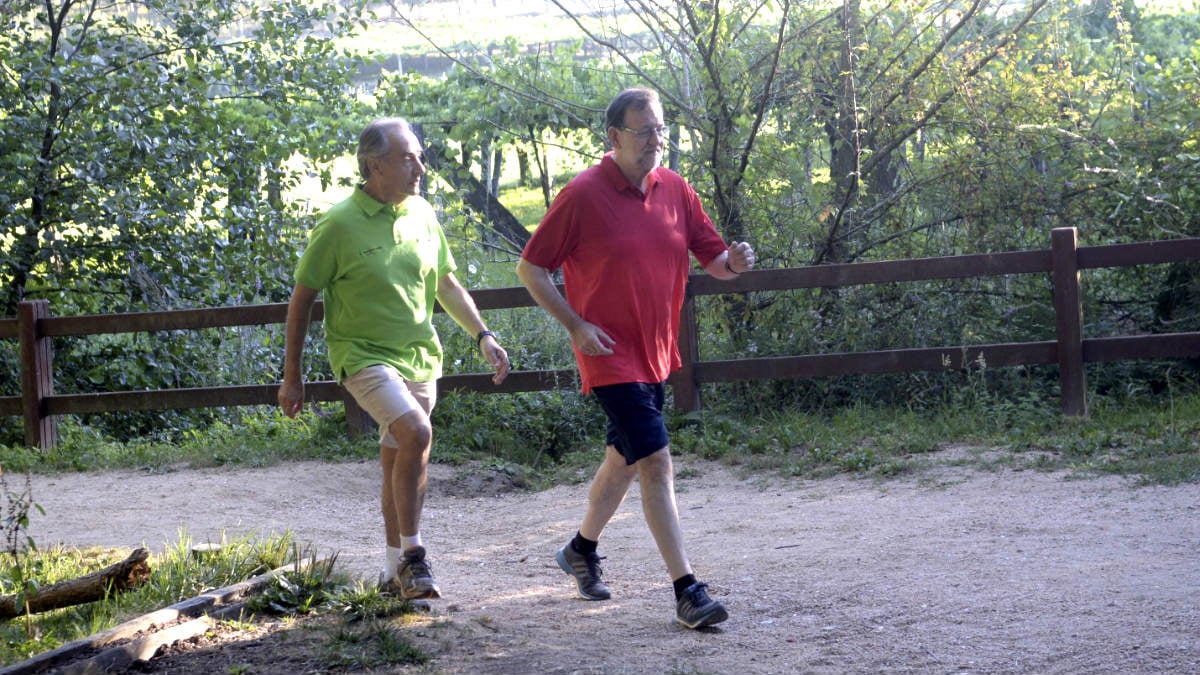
pixel 116 578
pixel 222 603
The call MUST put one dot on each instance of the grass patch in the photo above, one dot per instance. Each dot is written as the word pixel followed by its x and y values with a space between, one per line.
pixel 368 645
pixel 537 439
pixel 176 575
pixel 260 439
pixel 1146 440
pixel 1154 444
pixel 526 204
pixel 361 638
pixel 533 440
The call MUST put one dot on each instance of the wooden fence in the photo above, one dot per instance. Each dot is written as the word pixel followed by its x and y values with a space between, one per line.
pixel 34 327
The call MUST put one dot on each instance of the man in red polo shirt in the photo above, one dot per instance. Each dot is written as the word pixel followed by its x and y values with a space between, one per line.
pixel 623 232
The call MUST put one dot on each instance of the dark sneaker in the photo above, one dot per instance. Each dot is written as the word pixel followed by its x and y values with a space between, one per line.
pixel 696 610
pixel 586 570
pixel 415 577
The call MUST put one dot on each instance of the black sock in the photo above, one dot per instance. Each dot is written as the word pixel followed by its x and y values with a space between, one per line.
pixel 583 545
pixel 682 584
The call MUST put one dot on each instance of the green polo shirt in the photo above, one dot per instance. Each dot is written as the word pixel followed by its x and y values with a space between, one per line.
pixel 377 267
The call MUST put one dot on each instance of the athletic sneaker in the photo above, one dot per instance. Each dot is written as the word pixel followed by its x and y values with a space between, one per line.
pixel 696 610
pixel 388 586
pixel 586 570
pixel 414 576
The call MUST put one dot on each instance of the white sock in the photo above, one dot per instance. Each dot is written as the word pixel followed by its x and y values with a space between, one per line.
pixel 393 561
pixel 407 541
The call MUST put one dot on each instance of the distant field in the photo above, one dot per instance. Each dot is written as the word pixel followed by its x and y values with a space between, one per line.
pixel 480 23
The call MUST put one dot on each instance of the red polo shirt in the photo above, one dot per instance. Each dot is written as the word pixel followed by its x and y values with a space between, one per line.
pixel 625 263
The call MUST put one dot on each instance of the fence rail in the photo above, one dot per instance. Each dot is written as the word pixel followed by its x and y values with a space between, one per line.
pixel 40 406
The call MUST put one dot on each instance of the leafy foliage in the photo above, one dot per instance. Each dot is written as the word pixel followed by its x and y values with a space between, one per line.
pixel 151 153
pixel 301 590
pixel 147 148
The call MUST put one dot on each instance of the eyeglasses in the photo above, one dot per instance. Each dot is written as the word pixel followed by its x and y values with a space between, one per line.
pixel 643 134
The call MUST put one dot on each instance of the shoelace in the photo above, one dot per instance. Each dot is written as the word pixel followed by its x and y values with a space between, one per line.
pixel 420 568
pixel 698 595
pixel 593 564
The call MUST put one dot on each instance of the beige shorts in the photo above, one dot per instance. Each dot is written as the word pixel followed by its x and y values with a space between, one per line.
pixel 386 396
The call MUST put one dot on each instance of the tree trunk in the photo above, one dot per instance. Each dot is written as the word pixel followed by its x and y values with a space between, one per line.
pixel 844 142
pixel 497 169
pixel 543 164
pixel 526 176
pixel 118 577
pixel 475 194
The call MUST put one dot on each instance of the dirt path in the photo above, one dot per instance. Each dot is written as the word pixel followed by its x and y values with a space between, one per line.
pixel 1008 572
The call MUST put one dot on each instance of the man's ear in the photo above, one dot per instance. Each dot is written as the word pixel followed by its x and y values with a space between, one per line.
pixel 614 134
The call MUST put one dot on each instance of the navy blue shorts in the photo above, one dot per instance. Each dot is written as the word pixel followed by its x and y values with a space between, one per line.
pixel 635 418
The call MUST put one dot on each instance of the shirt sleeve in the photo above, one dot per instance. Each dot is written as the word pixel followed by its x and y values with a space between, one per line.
pixel 557 235
pixel 318 262
pixel 703 239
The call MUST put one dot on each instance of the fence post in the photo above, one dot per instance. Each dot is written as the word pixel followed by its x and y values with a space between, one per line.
pixel 37 374
pixel 683 382
pixel 1068 311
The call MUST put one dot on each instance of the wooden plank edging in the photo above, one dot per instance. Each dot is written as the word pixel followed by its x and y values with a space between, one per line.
pixel 157 621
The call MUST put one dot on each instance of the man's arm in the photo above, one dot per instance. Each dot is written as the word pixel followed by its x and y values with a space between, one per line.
pixel 459 304
pixel 588 338
pixel 299 315
pixel 738 258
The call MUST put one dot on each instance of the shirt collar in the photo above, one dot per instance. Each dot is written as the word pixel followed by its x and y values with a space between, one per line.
pixel 618 180
pixel 370 206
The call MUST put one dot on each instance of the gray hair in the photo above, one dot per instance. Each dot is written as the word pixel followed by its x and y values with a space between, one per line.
pixel 376 140
pixel 635 98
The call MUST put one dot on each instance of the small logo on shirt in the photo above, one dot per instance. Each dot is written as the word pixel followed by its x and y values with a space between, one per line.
pixel 370 251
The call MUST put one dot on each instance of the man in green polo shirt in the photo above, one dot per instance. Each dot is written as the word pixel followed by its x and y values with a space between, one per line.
pixel 380 260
